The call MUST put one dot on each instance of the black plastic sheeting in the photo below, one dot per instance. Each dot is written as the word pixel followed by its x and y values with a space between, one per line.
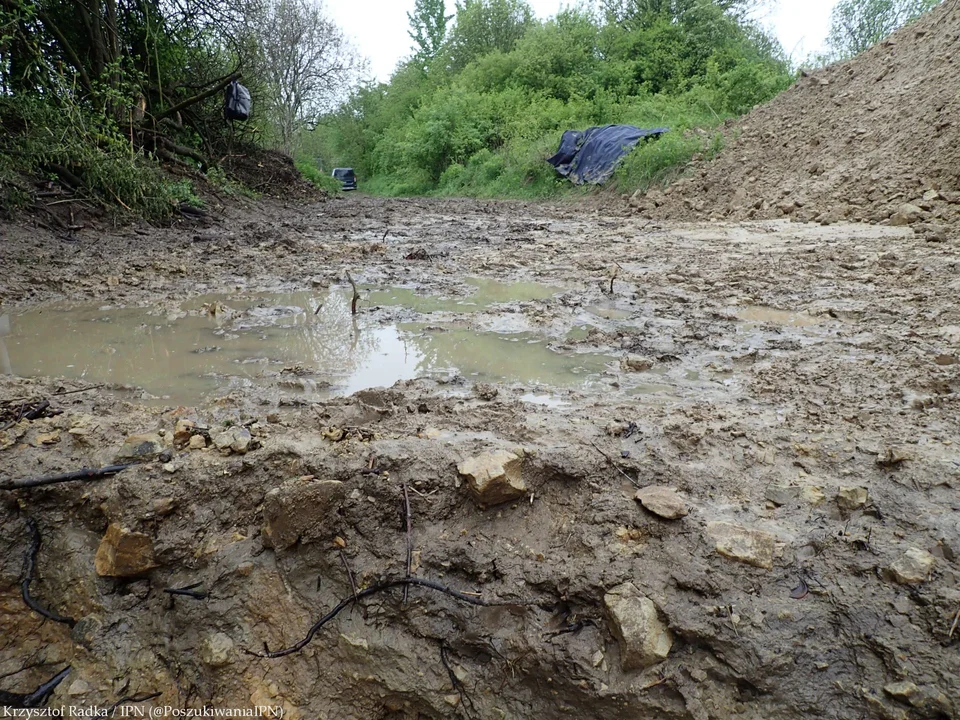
pixel 591 156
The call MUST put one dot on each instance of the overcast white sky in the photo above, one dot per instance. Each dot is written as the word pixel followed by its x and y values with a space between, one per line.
pixel 379 27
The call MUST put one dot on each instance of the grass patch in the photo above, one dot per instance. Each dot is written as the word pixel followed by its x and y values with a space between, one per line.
pixel 315 175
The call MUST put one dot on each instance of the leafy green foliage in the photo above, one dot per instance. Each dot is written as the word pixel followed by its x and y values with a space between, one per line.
pixel 428 27
pixel 40 139
pixel 856 25
pixel 484 115
pixel 322 180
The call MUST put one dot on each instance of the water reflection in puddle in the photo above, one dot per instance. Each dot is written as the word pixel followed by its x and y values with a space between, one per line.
pixel 220 342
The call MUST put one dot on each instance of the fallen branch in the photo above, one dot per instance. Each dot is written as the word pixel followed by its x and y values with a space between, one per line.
pixel 85 474
pixel 455 681
pixel 38 697
pixel 406 502
pixel 373 590
pixel 30 565
pixel 32 414
pixel 353 583
pixel 614 464
pixel 356 295
pixel 198 98
pixel 189 591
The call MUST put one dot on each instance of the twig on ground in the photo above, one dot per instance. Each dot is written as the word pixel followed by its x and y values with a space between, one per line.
pixel 131 699
pixel 356 295
pixel 30 565
pixel 953 628
pixel 37 697
pixel 406 502
pixel 465 700
pixel 85 474
pixel 346 566
pixel 189 591
pixel 373 590
pixel 614 464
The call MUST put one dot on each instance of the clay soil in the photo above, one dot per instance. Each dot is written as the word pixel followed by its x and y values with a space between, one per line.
pixel 809 403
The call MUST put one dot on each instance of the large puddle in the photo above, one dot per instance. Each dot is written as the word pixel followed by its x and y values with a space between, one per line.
pixel 299 342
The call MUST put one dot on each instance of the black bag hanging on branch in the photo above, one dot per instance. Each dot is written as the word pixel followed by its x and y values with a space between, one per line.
pixel 236 105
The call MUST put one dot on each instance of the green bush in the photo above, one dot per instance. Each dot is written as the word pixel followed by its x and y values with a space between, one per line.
pixel 40 139
pixel 322 180
pixel 484 123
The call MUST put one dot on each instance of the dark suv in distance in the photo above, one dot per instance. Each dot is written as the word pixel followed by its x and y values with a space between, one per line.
pixel 347 177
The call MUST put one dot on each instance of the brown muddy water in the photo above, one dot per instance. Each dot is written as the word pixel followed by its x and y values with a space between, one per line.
pixel 304 339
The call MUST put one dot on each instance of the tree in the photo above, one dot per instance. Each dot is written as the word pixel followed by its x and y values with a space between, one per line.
pixel 856 25
pixel 483 26
pixel 428 27
pixel 307 62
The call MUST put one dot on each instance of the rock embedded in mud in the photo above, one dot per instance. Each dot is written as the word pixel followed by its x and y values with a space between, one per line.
pixel 197 442
pixel 643 636
pixel 301 510
pixel 662 501
pixel 913 567
pixel 782 494
pixel 139 447
pixel 217 650
pixel 123 553
pixel 906 214
pixel 233 439
pixel 851 498
pixel 753 547
pixel 494 477
pixel 183 431
pixel 903 690
pixel 636 363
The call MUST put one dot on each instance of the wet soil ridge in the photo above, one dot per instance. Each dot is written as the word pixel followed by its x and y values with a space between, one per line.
pixel 875 139
pixel 752 512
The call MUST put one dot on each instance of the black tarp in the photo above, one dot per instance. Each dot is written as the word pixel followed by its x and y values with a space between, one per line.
pixel 591 156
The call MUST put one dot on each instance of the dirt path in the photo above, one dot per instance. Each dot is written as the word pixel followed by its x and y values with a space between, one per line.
pixel 796 385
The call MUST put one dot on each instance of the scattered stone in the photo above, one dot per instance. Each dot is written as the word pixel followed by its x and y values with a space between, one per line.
pixel 494 477
pixel 753 547
pixel 663 501
pixel 273 418
pixel 123 553
pixel 138 447
pixel 782 494
pixel 906 214
pixel 233 439
pixel 217 650
pixel 913 567
pixel 812 495
pixel 79 687
pixel 197 442
pixel 485 391
pixel 184 430
pixel 944 359
pixel 169 468
pixel 851 498
pixel 644 638
pixel 163 506
pixel 903 690
pixel 50 438
pixel 636 363
pixel 452 700
pixel 891 457
pixel 301 510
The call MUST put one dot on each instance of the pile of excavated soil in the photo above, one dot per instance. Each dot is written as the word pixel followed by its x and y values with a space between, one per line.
pixel 269 172
pixel 873 139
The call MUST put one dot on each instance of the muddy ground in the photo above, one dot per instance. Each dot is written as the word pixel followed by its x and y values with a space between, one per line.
pixel 796 385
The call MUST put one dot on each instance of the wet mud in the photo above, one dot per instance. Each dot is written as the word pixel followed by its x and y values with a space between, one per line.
pixel 783 396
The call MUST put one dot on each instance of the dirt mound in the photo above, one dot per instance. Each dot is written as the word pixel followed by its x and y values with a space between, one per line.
pixel 270 173
pixel 856 141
